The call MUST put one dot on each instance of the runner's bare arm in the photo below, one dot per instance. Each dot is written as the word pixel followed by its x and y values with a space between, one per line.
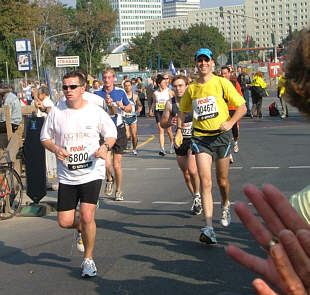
pixel 165 121
pixel 61 154
pixel 153 104
pixel 178 139
pixel 103 149
pixel 139 104
pixel 239 113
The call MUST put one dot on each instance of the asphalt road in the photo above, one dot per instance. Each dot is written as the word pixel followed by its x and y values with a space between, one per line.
pixel 148 244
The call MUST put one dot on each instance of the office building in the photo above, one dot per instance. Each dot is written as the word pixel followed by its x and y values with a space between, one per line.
pixel 174 8
pixel 132 15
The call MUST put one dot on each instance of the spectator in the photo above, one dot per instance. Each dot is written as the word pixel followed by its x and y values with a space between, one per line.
pixel 140 90
pixel 257 91
pixel 11 100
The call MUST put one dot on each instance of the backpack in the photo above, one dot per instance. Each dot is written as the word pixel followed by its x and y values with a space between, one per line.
pixel 273 110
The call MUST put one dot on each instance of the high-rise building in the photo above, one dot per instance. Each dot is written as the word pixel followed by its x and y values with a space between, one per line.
pixel 131 17
pixel 173 8
pixel 268 22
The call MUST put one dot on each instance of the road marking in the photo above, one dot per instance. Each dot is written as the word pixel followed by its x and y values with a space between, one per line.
pixel 129 168
pixel 265 167
pixel 235 168
pixel 299 167
pixel 170 203
pixel 125 201
pixel 146 141
pixel 158 168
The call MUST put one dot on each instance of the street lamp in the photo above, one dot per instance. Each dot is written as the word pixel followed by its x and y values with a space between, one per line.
pixel 48 38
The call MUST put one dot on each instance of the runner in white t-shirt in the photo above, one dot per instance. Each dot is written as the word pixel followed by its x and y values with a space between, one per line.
pixel 76 126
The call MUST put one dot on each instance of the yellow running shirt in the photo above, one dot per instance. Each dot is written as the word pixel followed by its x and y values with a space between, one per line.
pixel 209 107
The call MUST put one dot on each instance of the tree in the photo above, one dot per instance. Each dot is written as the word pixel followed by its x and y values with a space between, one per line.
pixel 141 49
pixel 95 22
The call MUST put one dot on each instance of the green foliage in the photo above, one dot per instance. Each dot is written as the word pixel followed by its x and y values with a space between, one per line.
pixel 176 45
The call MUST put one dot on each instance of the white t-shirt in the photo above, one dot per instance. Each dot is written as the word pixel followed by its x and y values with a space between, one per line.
pixel 78 132
pixel 47 102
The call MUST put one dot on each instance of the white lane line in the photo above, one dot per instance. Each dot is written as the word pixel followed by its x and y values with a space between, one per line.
pixel 170 203
pixel 157 168
pixel 120 202
pixel 235 168
pixel 129 168
pixel 299 167
pixel 265 167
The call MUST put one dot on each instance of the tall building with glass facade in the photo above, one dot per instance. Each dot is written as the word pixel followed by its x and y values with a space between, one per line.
pixel 132 15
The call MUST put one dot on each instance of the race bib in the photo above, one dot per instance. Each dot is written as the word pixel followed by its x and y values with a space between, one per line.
pixel 187 129
pixel 80 157
pixel 161 105
pixel 205 108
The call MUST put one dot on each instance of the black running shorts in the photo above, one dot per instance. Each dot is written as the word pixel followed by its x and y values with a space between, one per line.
pixel 218 146
pixel 121 141
pixel 158 115
pixel 70 195
pixel 185 146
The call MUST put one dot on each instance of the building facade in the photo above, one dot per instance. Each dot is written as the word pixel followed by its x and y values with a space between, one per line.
pixel 175 8
pixel 259 19
pixel 132 16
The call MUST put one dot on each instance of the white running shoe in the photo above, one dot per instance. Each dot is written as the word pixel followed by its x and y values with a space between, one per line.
pixel 236 147
pixel 208 235
pixel 88 268
pixel 226 216
pixel 196 207
pixel 119 196
pixel 79 242
pixel 231 159
pixel 172 151
pixel 134 152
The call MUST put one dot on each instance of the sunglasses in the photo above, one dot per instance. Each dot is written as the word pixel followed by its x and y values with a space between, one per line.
pixel 72 87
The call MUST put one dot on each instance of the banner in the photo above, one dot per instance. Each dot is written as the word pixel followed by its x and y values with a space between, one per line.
pixel 172 68
pixel 275 69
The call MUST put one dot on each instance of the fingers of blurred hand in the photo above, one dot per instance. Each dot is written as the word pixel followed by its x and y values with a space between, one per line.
pixel 254 263
pixel 304 239
pixel 254 226
pixel 262 288
pixel 292 283
pixel 280 204
pixel 256 197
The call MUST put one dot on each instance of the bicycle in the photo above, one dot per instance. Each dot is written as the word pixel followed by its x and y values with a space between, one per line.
pixel 11 189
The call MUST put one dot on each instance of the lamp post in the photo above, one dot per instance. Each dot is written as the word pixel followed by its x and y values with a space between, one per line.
pixel 48 38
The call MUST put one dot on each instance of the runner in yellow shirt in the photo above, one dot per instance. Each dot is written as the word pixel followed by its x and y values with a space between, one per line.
pixel 208 99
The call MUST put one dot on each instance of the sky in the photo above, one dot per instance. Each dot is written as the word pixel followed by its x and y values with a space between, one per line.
pixel 217 3
pixel 203 3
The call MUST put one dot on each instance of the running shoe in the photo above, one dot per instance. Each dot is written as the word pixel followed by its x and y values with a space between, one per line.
pixel 236 147
pixel 119 196
pixel 79 242
pixel 196 207
pixel 162 153
pixel 109 187
pixel 134 152
pixel 88 268
pixel 208 235
pixel 172 149
pixel 231 159
pixel 98 204
pixel 226 216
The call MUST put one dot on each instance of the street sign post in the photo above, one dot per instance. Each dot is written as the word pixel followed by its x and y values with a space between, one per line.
pixel 222 59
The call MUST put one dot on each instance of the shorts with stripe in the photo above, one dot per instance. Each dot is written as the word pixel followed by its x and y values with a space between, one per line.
pixel 218 146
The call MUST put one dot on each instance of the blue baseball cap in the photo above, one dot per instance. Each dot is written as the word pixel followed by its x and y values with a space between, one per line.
pixel 204 51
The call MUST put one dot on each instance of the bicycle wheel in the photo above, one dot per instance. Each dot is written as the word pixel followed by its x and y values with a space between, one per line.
pixel 11 189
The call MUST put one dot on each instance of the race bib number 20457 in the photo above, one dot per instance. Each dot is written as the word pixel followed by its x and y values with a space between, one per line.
pixel 205 108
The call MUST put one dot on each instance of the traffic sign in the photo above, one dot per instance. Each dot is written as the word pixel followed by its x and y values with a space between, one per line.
pixel 222 59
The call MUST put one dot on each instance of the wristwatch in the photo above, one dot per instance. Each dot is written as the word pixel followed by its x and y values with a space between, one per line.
pixel 108 147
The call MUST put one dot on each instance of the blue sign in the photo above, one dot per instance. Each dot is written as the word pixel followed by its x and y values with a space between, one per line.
pixel 23 61
pixel 22 45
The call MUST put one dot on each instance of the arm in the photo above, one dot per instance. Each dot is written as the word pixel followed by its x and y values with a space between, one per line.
pixel 61 154
pixel 153 105
pixel 178 139
pixel 165 120
pixel 138 102
pixel 239 113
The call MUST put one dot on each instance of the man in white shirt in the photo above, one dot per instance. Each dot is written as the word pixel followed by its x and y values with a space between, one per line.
pixel 76 126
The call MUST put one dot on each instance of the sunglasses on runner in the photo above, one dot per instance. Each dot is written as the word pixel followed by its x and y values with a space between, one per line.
pixel 72 87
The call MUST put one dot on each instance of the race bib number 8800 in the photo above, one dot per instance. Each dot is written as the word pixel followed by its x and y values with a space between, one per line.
pixel 205 108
